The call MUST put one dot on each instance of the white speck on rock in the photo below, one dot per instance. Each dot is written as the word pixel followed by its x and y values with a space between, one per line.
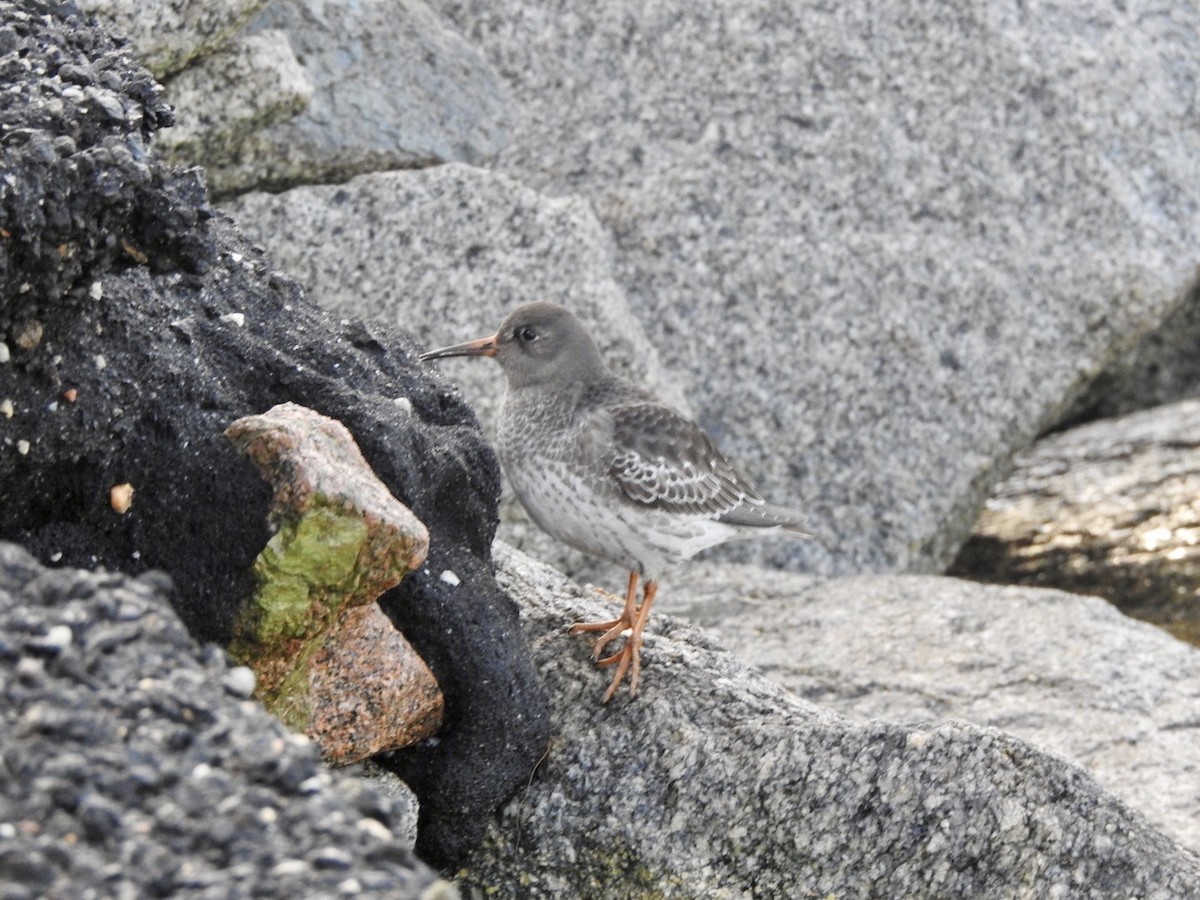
pixel 290 867
pixel 58 638
pixel 238 319
pixel 5 356
pixel 23 447
pixel 240 681
pixel 100 362
pixel 375 828
pixel 97 290
pixel 404 403
pixel 450 578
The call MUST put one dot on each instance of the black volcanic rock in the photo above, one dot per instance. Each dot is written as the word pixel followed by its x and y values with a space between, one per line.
pixel 140 324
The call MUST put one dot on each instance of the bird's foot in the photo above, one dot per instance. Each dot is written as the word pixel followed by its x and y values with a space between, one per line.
pixel 612 629
pixel 627 659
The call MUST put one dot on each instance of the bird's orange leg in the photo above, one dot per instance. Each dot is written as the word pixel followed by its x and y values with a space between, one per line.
pixel 613 628
pixel 629 657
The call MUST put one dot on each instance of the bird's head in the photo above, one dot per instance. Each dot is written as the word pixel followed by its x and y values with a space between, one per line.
pixel 537 344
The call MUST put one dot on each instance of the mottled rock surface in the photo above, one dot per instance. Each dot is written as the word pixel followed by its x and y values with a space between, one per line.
pixel 1162 367
pixel 167 35
pixel 393 85
pixel 719 782
pixel 881 247
pixel 1111 508
pixel 1066 673
pixel 225 97
pixel 134 767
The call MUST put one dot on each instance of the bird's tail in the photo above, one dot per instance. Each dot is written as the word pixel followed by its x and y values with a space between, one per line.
pixel 767 515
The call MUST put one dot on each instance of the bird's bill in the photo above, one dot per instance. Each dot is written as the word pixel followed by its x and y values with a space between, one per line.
pixel 482 347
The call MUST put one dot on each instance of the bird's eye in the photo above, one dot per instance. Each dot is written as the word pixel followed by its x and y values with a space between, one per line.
pixel 525 333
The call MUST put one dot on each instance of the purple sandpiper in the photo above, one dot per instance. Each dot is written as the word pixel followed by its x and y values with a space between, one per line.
pixel 604 466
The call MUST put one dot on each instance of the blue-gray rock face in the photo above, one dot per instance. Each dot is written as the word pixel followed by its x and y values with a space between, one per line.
pixel 392 86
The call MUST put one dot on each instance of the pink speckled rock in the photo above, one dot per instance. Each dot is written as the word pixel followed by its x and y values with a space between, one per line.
pixel 329 662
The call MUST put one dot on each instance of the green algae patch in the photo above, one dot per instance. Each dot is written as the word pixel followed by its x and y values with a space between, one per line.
pixel 315 558
pixel 308 574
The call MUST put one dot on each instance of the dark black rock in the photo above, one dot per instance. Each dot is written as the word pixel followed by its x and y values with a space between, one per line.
pixel 135 348
pixel 103 795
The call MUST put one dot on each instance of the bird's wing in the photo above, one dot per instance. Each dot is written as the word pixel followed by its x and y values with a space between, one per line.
pixel 662 459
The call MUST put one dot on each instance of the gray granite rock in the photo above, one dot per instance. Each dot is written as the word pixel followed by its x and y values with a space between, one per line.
pixel 1108 508
pixel 227 96
pixel 717 782
pixel 168 34
pixel 1063 672
pixel 446 253
pixel 1163 367
pixel 882 246
pixel 393 86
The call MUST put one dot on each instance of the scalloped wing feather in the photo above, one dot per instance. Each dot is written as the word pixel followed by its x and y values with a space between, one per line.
pixel 661 459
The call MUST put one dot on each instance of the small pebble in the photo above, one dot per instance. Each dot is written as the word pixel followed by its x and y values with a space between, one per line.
pixel 450 578
pixel 375 828
pixel 30 669
pixel 240 682
pixel 331 858
pixel 120 497
pixel 238 319
pixel 97 290
pixel 4 354
pixel 59 637
pixel 290 867
pixel 6 408
pixel 23 447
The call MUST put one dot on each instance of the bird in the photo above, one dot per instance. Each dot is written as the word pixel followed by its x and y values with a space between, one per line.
pixel 605 466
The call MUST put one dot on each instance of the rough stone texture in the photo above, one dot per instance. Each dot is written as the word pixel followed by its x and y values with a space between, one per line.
pixel 1066 673
pixel 882 245
pixel 169 34
pixel 1111 508
pixel 393 86
pixel 329 662
pixel 162 355
pixel 77 118
pixel 719 782
pixel 1163 367
pixel 370 691
pixel 130 770
pixel 474 245
pixel 227 96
